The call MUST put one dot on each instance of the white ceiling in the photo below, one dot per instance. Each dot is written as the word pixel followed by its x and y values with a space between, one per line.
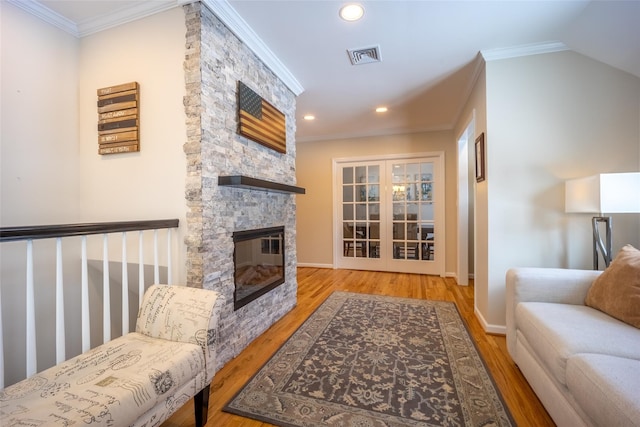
pixel 429 50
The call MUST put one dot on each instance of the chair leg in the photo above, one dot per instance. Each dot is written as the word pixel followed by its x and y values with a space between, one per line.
pixel 201 405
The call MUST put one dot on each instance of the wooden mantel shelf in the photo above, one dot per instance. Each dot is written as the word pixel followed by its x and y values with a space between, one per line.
pixel 242 181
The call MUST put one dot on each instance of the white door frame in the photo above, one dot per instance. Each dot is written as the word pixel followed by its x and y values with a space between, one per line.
pixel 439 202
pixel 462 202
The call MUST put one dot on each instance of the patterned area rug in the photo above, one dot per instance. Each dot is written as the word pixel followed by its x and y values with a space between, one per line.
pixel 366 360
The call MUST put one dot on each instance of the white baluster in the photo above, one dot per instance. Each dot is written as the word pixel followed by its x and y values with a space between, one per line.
pixel 140 269
pixel 86 319
pixel 169 269
pixel 125 287
pixel 156 266
pixel 106 294
pixel 32 364
pixel 60 334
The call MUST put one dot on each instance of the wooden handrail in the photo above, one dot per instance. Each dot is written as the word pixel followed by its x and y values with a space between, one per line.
pixel 10 234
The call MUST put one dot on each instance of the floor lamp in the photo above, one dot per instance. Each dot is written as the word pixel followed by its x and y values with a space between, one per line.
pixel 599 194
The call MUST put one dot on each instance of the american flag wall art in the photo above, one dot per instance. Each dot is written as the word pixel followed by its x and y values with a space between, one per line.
pixel 260 121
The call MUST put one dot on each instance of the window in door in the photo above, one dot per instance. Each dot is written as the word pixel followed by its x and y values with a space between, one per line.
pixel 413 219
pixel 361 211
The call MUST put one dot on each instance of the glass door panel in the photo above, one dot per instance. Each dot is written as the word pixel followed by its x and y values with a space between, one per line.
pixel 412 226
pixel 361 211
pixel 404 211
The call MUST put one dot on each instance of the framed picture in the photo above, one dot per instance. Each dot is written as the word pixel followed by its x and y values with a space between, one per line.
pixel 480 158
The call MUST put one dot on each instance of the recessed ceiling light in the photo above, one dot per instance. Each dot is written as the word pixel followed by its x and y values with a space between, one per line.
pixel 381 110
pixel 309 117
pixel 351 12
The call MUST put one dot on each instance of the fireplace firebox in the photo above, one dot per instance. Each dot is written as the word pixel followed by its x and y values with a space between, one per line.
pixel 258 259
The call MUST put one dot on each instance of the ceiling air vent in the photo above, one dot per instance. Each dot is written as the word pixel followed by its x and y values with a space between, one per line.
pixel 365 55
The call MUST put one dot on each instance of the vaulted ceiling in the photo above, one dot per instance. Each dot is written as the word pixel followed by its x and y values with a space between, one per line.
pixel 429 50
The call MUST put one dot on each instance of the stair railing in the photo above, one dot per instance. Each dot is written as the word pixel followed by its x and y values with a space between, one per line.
pixel 59 232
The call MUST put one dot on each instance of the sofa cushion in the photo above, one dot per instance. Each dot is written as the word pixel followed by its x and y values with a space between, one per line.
pixel 606 388
pixel 112 384
pixel 617 290
pixel 555 332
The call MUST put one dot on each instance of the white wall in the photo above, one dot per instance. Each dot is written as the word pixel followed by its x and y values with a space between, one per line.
pixel 477 104
pixel 149 184
pixel 551 118
pixel 40 170
pixel 39 165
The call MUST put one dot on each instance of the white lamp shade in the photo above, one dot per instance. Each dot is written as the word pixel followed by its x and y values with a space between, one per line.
pixel 604 193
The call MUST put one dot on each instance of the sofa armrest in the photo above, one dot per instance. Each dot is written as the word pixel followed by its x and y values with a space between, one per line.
pixel 183 314
pixel 554 285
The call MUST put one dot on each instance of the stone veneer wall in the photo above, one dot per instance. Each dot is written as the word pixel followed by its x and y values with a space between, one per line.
pixel 214 62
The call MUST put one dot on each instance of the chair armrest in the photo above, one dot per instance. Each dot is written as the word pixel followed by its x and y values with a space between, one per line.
pixel 183 314
pixel 553 285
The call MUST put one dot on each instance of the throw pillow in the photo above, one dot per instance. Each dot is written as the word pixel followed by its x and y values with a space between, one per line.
pixel 617 290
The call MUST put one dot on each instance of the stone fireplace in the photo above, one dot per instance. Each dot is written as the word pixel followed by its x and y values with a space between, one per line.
pixel 215 61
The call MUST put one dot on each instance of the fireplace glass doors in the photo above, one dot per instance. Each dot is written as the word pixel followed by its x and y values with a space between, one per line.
pixel 258 258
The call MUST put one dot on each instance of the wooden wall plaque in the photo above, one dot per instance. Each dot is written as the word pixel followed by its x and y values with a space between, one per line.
pixel 260 121
pixel 119 119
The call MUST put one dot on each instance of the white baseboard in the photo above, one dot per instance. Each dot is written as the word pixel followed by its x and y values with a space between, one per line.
pixel 490 329
pixel 454 275
pixel 314 265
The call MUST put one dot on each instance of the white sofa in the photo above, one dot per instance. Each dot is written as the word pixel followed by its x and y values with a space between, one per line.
pixel 582 364
pixel 139 379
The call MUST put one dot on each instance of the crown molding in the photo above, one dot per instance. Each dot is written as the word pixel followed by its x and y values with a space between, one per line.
pixel 523 50
pixel 221 8
pixel 90 26
pixel 236 24
pixel 124 15
pixel 44 13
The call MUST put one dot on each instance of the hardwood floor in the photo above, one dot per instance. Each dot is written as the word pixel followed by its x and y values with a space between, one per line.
pixel 314 286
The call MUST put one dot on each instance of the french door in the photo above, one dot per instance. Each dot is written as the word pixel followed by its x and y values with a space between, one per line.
pixel 389 214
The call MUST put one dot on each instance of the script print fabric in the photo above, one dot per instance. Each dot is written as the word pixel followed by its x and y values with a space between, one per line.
pixel 111 385
pixel 363 360
pixel 138 379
